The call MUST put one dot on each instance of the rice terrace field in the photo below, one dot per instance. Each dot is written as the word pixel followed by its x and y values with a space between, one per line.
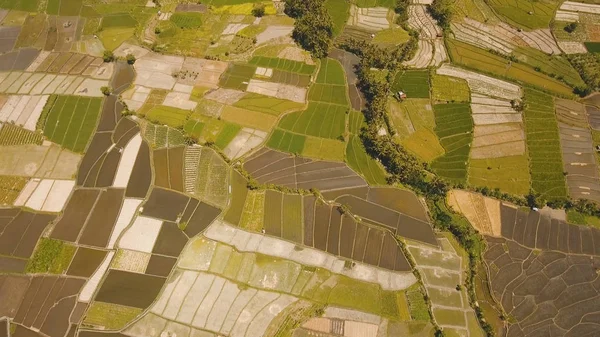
pixel 335 168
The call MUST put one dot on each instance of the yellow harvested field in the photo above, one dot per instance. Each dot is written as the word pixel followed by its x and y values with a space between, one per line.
pixel 249 118
pixel 482 212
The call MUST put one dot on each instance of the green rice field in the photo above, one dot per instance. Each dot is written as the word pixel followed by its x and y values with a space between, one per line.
pixel 331 72
pixel 454 128
pixel 319 120
pixel 592 47
pixel 237 76
pixel 187 20
pixel 72 120
pixel 269 105
pixel 484 61
pixel 22 5
pixel 516 12
pixel 339 11
pixel 358 159
pixel 450 89
pixel 356 121
pixel 286 141
pixel 543 143
pixel 414 83
pixel 167 115
pixel 211 130
pixel 118 21
pixel 283 64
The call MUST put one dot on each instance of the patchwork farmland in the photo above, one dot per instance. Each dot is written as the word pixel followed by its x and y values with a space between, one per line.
pixel 253 168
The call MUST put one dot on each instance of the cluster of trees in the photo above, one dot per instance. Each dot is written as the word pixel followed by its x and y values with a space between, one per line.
pixel 313 28
pixel 442 11
pixel 588 67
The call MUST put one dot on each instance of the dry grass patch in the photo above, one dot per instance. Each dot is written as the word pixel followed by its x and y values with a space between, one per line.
pixel 249 118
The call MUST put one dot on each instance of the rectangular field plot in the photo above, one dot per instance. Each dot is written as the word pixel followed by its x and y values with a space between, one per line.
pixel 286 141
pixel 475 58
pixel 213 178
pixel 248 118
pixel 331 72
pixel 454 127
pixel 237 76
pixel 173 117
pixel 10 188
pixel 323 148
pixel 11 134
pixel 72 120
pixel 269 105
pixel 319 119
pixel 446 88
pixel 509 174
pixel 328 93
pixel 543 143
pixel 358 159
pixel 528 14
pixel 283 64
pixel 414 83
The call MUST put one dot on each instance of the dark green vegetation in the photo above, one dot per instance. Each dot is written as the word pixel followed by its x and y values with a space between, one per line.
pixel 454 128
pixel 547 177
pixel 592 47
pixel 414 83
pixel 72 120
pixel 588 66
pixel 442 12
pixel 313 28
pixel 51 256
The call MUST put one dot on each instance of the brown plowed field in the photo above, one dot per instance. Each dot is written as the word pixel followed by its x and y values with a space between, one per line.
pixel 123 128
pixel 20 235
pixel 273 167
pixel 170 241
pixel 12 292
pixel 160 265
pixel 85 262
pixel 100 143
pixel 350 61
pixel 75 214
pixel 546 293
pixel 400 224
pixel 18 60
pixel 102 219
pixel 203 216
pixel 341 235
pixel 164 204
pixel 141 175
pixel 12 265
pixel 130 289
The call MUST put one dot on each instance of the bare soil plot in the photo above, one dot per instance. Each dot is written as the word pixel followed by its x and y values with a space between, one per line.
pixel 554 296
pixel 46 195
pixel 130 289
pixel 498 140
pixel 402 201
pixel 200 8
pixel 170 240
pixel 482 212
pixel 245 141
pixel 579 162
pixel 156 71
pixel 278 90
pixel 21 232
pixel 269 166
pixel 273 32
pixel 165 204
pixel 8 38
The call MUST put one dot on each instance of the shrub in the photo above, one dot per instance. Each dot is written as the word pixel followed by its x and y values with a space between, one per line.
pixel 106 91
pixel 570 28
pixel 258 10
pixel 130 58
pixel 108 56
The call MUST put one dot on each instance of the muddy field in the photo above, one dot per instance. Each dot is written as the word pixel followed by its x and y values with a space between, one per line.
pixel 546 293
